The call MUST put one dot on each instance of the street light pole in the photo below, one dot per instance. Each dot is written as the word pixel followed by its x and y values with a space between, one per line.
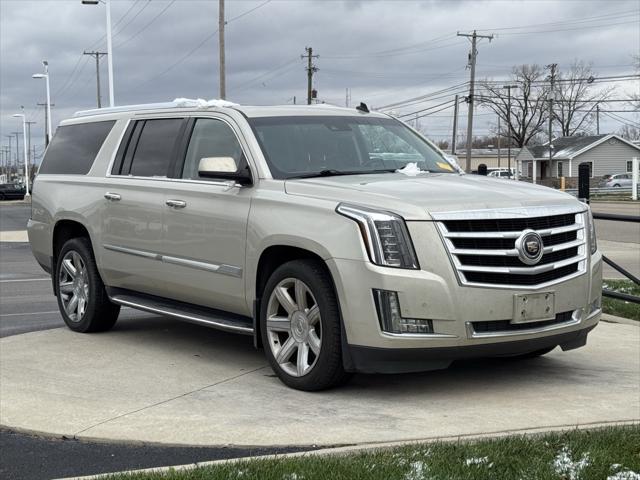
pixel 107 4
pixel 110 54
pixel 45 75
pixel 24 140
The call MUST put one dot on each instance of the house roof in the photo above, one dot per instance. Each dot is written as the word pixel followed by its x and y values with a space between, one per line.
pixel 565 148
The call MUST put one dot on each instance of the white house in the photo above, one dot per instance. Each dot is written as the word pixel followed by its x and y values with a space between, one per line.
pixel 605 154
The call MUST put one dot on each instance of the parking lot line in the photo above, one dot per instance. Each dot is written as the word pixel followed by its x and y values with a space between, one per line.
pixel 27 313
pixel 27 280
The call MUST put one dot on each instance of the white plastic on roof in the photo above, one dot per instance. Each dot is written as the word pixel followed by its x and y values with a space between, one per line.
pixel 202 103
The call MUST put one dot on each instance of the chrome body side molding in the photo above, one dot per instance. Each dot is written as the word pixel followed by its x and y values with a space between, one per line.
pixel 222 269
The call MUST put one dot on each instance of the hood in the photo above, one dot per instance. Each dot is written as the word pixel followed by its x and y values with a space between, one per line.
pixel 416 197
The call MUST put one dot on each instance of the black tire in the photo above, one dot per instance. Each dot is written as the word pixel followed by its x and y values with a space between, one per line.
pixel 99 313
pixel 327 370
pixel 1 196
pixel 616 185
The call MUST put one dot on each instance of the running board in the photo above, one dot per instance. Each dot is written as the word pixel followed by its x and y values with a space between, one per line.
pixel 187 312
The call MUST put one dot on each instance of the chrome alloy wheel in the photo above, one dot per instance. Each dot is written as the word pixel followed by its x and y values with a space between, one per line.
pixel 73 285
pixel 294 329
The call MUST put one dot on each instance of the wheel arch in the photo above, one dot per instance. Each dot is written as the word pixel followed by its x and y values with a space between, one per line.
pixel 271 257
pixel 64 230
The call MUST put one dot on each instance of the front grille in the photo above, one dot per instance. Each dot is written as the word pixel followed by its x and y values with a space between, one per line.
pixel 510 224
pixel 483 250
pixel 506 325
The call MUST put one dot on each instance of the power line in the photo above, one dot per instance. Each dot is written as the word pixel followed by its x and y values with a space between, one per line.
pixel 566 21
pixel 147 25
pixel 195 49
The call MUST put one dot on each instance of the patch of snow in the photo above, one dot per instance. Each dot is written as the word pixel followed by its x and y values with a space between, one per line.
pixel 292 476
pixel 417 471
pixel 478 461
pixel 201 103
pixel 624 475
pixel 566 467
pixel 411 169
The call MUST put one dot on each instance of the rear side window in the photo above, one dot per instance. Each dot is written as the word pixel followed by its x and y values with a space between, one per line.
pixel 156 147
pixel 74 148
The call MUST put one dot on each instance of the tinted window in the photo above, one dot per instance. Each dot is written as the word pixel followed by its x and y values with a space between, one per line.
pixel 210 138
pixel 155 148
pixel 74 148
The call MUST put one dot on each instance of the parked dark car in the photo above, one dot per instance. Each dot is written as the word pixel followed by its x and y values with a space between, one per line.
pixel 11 191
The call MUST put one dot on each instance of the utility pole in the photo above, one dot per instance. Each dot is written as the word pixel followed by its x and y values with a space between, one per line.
pixel 28 124
pixel 509 87
pixel 311 69
pixel 472 66
pixel 46 122
pixel 10 137
pixel 552 67
pixel 597 118
pixel 454 134
pixel 17 134
pixel 97 56
pixel 499 136
pixel 221 23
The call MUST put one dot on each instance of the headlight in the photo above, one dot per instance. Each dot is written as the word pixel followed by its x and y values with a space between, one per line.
pixel 385 236
pixel 593 243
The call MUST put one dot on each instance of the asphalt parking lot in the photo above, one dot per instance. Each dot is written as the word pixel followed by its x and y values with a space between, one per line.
pixel 209 376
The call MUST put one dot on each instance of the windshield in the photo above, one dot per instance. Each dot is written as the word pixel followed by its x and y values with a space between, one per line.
pixel 304 146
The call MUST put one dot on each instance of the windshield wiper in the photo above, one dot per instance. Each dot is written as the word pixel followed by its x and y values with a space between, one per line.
pixel 330 172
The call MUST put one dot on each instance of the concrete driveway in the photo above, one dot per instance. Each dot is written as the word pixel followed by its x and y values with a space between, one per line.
pixel 154 380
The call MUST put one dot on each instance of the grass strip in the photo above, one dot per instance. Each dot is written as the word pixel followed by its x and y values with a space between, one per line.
pixel 611 453
pixel 621 308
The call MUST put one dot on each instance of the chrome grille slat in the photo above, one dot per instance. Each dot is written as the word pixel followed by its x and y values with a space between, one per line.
pixel 483 264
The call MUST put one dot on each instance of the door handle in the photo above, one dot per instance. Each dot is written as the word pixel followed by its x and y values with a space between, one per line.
pixel 176 203
pixel 114 197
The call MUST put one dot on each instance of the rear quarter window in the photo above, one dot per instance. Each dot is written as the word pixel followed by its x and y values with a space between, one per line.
pixel 75 147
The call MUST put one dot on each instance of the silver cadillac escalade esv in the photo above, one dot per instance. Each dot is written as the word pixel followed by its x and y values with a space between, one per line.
pixel 341 239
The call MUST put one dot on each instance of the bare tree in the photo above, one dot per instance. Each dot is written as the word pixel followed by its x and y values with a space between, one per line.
pixel 576 99
pixel 528 105
pixel 629 132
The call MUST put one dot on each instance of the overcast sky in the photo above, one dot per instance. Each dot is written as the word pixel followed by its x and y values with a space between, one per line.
pixel 383 51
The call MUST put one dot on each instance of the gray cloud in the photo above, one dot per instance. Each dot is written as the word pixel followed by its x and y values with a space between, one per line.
pixel 351 38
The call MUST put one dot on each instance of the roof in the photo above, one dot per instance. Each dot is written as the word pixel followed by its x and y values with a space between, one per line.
pixel 566 148
pixel 183 104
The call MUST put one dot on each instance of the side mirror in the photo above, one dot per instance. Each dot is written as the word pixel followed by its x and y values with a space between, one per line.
pixel 224 167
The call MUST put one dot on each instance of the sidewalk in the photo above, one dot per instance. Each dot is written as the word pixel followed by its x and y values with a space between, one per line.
pixel 154 380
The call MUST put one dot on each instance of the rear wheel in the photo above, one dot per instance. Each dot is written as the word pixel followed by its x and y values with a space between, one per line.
pixel 300 325
pixel 82 298
pixel 617 185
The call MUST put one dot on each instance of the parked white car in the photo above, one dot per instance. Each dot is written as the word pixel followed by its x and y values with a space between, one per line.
pixel 617 181
pixel 501 173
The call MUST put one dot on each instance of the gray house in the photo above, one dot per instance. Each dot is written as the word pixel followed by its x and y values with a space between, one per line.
pixel 605 154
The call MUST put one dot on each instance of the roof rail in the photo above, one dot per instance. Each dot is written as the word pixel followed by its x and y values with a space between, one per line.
pixel 177 103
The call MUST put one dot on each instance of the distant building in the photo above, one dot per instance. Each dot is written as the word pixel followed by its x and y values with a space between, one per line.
pixel 605 154
pixel 491 157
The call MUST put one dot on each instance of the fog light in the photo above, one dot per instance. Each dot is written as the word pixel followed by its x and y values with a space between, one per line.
pixel 578 314
pixel 391 319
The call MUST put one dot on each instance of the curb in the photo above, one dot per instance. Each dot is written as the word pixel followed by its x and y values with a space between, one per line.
pixel 614 319
pixel 16 202
pixel 342 451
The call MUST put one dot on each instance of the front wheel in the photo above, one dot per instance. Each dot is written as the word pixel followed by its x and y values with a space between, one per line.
pixel 300 326
pixel 82 298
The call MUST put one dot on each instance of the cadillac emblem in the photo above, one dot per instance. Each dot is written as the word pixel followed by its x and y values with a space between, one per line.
pixel 529 247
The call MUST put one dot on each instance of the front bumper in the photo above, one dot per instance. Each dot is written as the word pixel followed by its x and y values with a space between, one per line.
pixel 435 293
